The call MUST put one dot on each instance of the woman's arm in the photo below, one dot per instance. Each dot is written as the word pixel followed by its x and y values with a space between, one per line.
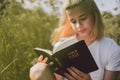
pixel 111 75
pixel 41 70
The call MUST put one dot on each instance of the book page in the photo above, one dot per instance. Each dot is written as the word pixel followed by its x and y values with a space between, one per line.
pixel 44 50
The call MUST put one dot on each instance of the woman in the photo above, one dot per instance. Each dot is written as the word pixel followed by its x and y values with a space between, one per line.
pixel 82 21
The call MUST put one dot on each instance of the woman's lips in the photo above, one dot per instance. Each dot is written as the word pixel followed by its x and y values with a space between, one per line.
pixel 82 31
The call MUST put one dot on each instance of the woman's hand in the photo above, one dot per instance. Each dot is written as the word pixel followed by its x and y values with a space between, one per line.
pixel 41 70
pixel 75 74
pixel 42 59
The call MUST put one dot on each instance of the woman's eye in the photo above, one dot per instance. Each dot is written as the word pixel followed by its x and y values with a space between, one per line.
pixel 73 21
pixel 83 18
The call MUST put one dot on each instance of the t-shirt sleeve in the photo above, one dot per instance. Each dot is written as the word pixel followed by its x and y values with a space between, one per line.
pixel 58 44
pixel 64 42
pixel 114 60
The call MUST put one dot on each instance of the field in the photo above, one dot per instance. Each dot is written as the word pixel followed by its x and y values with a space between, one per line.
pixel 22 30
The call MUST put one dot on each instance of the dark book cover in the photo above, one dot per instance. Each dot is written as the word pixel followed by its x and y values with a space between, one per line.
pixel 77 55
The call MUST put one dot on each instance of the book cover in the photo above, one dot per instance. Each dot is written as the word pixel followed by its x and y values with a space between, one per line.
pixel 77 55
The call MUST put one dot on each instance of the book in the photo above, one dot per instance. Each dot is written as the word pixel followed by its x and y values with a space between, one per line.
pixel 77 55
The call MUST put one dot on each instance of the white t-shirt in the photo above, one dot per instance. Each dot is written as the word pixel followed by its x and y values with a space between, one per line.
pixel 105 52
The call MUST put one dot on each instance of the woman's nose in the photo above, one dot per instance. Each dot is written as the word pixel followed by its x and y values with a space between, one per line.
pixel 78 25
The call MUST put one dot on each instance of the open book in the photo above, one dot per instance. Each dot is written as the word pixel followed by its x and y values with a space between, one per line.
pixel 77 55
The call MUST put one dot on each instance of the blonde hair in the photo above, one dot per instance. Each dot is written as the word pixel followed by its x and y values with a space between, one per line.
pixel 65 29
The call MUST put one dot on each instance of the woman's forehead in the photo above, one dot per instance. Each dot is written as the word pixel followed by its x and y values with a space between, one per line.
pixel 77 9
pixel 81 7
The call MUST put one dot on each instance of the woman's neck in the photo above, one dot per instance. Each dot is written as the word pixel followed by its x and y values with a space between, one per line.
pixel 88 41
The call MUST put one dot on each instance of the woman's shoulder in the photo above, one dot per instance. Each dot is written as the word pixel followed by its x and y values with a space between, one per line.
pixel 66 39
pixel 109 43
pixel 64 42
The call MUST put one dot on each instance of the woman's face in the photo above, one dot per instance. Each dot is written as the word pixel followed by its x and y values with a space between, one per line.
pixel 81 22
